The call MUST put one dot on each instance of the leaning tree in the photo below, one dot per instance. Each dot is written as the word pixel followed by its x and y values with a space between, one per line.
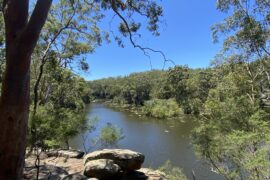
pixel 22 32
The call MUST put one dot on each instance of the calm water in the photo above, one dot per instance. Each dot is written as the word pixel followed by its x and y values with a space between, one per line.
pixel 159 140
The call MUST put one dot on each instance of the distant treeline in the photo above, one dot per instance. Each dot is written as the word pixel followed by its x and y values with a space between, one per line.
pixel 177 88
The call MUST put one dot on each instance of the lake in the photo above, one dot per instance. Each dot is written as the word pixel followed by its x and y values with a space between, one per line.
pixel 159 140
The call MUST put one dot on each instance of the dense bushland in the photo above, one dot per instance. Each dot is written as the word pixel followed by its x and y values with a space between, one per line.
pixel 161 93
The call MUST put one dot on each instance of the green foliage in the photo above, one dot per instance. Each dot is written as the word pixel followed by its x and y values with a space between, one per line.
pixel 161 108
pixel 133 89
pixel 189 87
pixel 246 28
pixel 237 153
pixel 234 132
pixel 110 135
pixel 61 111
pixel 53 128
pixel 177 78
pixel 174 173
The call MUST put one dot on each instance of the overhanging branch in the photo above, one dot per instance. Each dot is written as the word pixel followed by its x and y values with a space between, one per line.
pixel 145 50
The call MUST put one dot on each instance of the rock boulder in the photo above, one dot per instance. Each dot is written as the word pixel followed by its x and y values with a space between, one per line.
pixel 127 160
pixel 101 169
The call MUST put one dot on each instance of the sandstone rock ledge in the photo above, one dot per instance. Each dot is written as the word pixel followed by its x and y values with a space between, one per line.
pixel 107 164
pixel 118 164
pixel 128 160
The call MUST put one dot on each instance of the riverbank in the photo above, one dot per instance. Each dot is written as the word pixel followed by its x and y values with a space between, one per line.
pixel 124 107
pixel 137 110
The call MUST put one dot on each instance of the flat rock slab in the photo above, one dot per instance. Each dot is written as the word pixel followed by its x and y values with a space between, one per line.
pixel 65 153
pixel 147 174
pixel 101 169
pixel 128 160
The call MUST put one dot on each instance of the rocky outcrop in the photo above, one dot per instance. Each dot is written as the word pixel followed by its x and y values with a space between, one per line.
pixel 65 153
pixel 107 164
pixel 102 168
pixel 119 164
pixel 128 160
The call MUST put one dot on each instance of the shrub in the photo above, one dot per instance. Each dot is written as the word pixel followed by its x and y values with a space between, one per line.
pixel 110 135
pixel 161 108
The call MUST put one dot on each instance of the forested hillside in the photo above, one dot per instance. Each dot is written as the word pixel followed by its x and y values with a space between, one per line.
pixel 163 90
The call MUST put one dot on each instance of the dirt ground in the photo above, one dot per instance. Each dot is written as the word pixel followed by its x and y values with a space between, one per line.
pixel 52 166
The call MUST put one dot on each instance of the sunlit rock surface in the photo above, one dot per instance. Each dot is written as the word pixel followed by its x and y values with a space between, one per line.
pixel 128 160
pixel 107 164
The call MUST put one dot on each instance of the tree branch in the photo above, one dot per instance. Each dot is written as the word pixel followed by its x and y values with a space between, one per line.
pixel 35 24
pixel 44 58
pixel 135 45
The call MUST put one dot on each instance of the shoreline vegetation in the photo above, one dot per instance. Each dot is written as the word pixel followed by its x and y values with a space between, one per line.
pixel 137 111
pixel 161 94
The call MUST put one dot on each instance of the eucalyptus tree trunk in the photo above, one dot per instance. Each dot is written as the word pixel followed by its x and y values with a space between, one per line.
pixel 21 37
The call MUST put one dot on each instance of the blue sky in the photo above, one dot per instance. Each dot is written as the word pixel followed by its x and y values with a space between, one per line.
pixel 185 38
